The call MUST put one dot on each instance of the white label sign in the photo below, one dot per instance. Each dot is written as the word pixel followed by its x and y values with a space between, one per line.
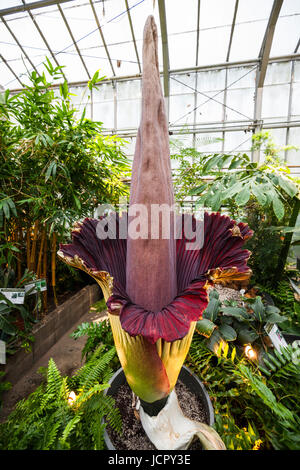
pixel 2 352
pixel 36 286
pixel 275 336
pixel 16 296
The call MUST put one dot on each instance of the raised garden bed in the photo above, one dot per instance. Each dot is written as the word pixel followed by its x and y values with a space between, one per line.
pixel 49 331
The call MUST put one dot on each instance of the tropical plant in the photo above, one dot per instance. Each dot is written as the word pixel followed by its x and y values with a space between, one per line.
pixel 48 158
pixel 98 333
pixel 262 194
pixel 231 322
pixel 285 298
pixel 65 412
pixel 4 386
pixel 268 183
pixel 252 410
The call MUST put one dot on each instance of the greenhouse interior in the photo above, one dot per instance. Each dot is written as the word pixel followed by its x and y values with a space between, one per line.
pixel 149 226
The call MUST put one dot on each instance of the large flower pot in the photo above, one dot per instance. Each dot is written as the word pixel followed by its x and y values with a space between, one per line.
pixel 190 380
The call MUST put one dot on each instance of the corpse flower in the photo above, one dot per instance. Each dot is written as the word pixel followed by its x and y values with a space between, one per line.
pixel 156 287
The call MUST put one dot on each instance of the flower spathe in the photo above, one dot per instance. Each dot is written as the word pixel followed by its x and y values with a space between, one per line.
pixel 221 259
pixel 155 289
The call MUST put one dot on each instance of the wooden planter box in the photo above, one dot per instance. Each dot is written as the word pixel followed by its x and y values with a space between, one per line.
pixel 46 334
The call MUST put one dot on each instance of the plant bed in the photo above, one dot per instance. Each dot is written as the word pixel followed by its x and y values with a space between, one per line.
pixel 49 331
pixel 193 399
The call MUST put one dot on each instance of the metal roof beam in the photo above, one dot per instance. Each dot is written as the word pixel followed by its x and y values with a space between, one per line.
pixel 263 58
pixel 198 31
pixel 73 39
pixel 133 35
pixel 44 39
pixel 10 69
pixel 20 45
pixel 102 37
pixel 202 68
pixel 165 47
pixel 267 42
pixel 30 6
pixel 232 29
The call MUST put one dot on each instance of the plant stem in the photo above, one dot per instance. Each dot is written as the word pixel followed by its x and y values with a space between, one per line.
pixel 53 266
pixel 287 242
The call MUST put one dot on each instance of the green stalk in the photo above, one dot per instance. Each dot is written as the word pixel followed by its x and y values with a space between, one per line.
pixel 287 242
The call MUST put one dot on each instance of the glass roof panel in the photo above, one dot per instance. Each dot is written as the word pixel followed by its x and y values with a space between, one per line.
pixel 49 20
pixel 213 45
pixel 182 50
pixel 215 26
pixel 10 3
pixel 251 22
pixel 214 13
pixel 6 76
pixel 28 36
pixel 140 10
pixel 216 18
pixel 14 57
pixel 178 21
pixel 286 35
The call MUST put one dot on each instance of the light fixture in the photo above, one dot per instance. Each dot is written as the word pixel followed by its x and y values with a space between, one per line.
pixel 250 352
pixel 71 398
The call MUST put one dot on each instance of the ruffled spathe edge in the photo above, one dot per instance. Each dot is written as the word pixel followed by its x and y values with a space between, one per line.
pixel 221 260
pixel 171 323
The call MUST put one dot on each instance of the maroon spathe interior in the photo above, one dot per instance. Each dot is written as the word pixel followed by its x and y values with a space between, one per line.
pixel 222 248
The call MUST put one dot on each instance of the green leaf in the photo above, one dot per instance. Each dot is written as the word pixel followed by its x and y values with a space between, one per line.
pixel 242 197
pixel 245 335
pixel 51 170
pixel 237 312
pixel 227 332
pixel 211 311
pixel 6 210
pixel 272 309
pixel 259 194
pixel 215 201
pixel 211 163
pixel 205 327
pixel 198 190
pixel 288 186
pixel 278 207
pixel 232 190
pixel 258 309
pixel 214 341
pixel 275 318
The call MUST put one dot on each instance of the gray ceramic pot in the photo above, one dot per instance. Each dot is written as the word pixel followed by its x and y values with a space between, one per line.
pixel 191 381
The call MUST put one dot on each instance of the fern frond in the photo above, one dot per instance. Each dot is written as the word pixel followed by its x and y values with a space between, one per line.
pixel 93 370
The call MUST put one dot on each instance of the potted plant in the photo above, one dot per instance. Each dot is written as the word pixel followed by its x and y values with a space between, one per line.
pixel 155 285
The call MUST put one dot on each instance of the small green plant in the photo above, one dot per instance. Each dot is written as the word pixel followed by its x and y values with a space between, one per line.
pixel 4 386
pixel 241 323
pixel 285 298
pixel 253 411
pixel 97 334
pixel 65 412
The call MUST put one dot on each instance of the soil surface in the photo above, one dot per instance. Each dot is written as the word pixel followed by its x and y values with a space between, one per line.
pixel 133 436
pixel 225 293
pixel 67 356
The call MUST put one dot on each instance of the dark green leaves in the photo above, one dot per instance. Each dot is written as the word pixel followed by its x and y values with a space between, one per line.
pixel 211 311
pixel 237 181
pixel 205 327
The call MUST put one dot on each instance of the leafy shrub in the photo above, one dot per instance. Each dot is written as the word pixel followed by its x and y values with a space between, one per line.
pixel 252 411
pixel 241 323
pixel 54 418
pixel 4 386
pixel 97 334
